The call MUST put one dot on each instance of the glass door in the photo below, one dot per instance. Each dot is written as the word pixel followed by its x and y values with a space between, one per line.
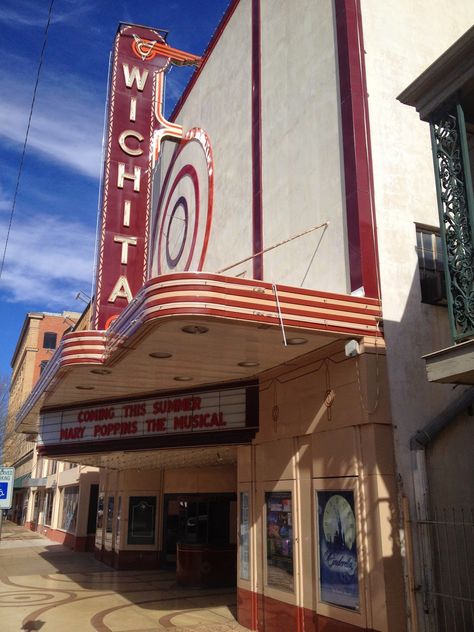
pixel 197 519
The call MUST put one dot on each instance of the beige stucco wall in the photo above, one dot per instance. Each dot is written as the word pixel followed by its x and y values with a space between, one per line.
pixel 216 479
pixel 220 103
pixel 301 145
pixel 402 38
pixel 450 478
pixel 404 194
pixel 304 446
pixel 302 185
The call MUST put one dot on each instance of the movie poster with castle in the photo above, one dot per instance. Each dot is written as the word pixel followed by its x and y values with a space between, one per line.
pixel 338 567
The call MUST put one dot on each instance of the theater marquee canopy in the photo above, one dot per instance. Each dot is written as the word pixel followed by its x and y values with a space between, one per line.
pixel 183 333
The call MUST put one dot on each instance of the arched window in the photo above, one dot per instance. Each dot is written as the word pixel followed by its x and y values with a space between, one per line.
pixel 49 340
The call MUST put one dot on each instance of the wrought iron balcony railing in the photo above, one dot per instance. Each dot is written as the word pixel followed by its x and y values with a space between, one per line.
pixel 456 211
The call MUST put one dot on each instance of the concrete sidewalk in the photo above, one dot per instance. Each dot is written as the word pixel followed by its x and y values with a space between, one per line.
pixel 45 586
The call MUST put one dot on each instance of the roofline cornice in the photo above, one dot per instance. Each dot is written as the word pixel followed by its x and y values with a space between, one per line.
pixel 443 78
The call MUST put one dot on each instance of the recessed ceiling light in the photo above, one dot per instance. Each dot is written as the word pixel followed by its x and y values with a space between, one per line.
pixel 195 329
pixel 296 341
pixel 249 364
pixel 160 354
pixel 85 388
pixel 101 371
pixel 183 378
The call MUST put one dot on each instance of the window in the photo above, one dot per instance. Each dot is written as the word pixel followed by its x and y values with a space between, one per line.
pixel 110 514
pixel 36 506
pixel 117 522
pixel 49 340
pixel 43 364
pixel 100 514
pixel 69 512
pixel 48 507
pixel 430 265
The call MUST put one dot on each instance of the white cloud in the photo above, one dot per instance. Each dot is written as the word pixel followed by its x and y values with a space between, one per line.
pixel 176 81
pixel 5 203
pixel 68 118
pixel 34 14
pixel 48 261
pixel 67 122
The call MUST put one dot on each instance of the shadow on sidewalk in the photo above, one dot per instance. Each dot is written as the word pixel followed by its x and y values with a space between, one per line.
pixel 52 576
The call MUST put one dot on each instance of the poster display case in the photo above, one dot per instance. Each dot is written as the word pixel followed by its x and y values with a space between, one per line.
pixel 244 532
pixel 141 520
pixel 279 534
pixel 337 543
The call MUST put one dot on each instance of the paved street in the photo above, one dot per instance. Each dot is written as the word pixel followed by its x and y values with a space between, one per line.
pixel 45 586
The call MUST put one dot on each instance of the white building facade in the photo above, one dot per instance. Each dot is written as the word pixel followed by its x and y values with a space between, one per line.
pixel 263 370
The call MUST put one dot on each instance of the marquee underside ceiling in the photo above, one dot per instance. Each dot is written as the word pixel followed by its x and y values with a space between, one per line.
pixel 166 459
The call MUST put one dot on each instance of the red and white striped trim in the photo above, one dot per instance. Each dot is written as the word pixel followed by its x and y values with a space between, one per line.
pixel 228 299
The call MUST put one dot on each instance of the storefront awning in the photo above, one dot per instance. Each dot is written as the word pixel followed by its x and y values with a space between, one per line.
pixel 37 482
pixel 21 481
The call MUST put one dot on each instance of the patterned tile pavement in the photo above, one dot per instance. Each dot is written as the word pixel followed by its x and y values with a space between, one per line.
pixel 45 586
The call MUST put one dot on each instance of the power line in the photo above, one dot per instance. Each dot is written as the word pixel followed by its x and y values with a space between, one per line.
pixel 20 169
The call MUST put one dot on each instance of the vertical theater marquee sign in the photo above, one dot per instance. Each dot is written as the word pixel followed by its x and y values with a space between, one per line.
pixel 136 127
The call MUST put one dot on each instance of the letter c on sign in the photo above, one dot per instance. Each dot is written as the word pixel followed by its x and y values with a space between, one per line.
pixel 123 142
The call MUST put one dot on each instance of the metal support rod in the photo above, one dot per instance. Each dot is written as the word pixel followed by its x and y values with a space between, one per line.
pixel 275 291
pixel 281 243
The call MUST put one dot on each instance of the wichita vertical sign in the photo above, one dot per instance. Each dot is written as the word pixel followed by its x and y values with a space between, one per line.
pixel 136 126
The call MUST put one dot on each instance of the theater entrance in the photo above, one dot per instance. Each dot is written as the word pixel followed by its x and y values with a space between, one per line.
pixel 200 538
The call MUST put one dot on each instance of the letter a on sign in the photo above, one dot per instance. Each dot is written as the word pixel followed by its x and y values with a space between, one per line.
pixel 121 290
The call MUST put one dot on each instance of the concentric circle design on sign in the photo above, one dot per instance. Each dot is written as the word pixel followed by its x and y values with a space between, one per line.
pixel 177 232
pixel 183 209
pixel 171 231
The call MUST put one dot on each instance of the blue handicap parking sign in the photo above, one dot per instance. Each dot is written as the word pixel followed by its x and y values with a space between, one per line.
pixel 7 476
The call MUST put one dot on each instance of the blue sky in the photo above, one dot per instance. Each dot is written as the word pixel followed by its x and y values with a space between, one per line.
pixel 50 252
